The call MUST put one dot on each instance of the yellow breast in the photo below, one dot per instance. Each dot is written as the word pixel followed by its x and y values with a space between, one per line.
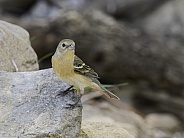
pixel 63 66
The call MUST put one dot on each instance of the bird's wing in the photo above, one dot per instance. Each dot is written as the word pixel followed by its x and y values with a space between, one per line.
pixel 83 69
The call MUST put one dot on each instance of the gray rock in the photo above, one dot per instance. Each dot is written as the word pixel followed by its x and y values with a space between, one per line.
pixel 16 53
pixel 31 108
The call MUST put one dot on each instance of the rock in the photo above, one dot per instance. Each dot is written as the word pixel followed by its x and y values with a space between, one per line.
pixel 162 121
pixel 164 125
pixel 31 108
pixel 166 24
pixel 103 130
pixel 109 114
pixel 16 53
pixel 155 125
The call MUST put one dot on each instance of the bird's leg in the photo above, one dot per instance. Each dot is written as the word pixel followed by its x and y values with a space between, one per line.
pixel 72 106
pixel 68 89
pixel 63 93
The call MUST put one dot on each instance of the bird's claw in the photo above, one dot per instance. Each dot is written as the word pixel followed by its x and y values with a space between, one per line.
pixel 63 93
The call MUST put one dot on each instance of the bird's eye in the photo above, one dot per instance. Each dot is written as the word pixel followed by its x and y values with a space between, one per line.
pixel 63 45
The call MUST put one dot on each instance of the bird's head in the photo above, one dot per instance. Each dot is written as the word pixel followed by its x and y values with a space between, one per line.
pixel 66 45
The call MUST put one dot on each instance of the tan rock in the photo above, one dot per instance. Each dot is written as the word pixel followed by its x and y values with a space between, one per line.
pixel 103 130
pixel 107 113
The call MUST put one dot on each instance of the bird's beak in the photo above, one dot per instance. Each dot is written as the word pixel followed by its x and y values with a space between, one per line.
pixel 71 47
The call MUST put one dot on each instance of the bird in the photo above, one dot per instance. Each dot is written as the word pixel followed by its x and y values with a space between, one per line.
pixel 72 70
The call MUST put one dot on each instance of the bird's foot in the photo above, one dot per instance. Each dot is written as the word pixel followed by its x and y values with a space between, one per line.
pixel 72 106
pixel 63 93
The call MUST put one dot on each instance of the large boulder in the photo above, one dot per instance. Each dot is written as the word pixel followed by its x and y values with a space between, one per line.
pixel 31 108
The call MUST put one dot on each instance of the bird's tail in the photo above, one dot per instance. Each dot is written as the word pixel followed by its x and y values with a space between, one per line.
pixel 105 91
pixel 108 93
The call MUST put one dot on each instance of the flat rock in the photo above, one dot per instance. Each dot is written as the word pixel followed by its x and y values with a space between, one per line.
pixel 16 53
pixel 31 108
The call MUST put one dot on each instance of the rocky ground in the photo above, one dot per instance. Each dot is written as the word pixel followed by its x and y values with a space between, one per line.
pixel 134 41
